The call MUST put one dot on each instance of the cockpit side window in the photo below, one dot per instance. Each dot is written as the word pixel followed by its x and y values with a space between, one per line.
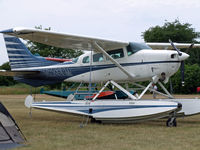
pixel 86 59
pixel 74 60
pixel 134 47
pixel 98 57
pixel 118 53
pixel 130 51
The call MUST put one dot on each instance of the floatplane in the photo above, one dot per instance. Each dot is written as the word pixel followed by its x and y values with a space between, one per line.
pixel 107 61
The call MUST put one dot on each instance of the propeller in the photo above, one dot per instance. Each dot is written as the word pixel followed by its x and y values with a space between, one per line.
pixel 182 62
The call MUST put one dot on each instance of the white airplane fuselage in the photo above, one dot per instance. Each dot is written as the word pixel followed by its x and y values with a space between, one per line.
pixel 143 65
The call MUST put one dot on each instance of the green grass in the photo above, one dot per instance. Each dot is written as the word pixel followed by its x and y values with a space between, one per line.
pixel 56 131
pixel 18 89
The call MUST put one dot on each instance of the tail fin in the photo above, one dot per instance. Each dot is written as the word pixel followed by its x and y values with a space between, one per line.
pixel 20 57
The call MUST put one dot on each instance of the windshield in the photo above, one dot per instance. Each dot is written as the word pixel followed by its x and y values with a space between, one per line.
pixel 134 47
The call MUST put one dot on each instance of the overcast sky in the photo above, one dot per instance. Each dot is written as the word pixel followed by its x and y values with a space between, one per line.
pixel 123 20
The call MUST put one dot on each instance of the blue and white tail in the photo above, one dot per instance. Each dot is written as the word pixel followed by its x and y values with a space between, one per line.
pixel 20 57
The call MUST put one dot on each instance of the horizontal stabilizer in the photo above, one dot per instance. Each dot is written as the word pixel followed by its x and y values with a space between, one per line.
pixel 18 73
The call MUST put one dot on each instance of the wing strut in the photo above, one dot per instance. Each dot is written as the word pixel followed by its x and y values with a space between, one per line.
pixel 99 48
pixel 119 87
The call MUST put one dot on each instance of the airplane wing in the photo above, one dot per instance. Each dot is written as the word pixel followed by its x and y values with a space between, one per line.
pixel 63 40
pixel 169 46
pixel 70 41
pixel 17 73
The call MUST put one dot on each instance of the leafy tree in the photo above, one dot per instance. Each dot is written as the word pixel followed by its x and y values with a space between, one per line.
pixel 194 56
pixel 192 80
pixel 176 31
pixel 6 81
pixel 5 66
pixel 51 51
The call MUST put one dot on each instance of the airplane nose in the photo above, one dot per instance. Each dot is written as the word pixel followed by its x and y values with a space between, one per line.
pixel 184 56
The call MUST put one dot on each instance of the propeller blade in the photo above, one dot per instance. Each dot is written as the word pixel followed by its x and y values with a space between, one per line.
pixel 182 73
pixel 179 52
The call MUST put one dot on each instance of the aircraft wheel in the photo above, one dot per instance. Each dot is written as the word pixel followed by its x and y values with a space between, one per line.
pixel 171 122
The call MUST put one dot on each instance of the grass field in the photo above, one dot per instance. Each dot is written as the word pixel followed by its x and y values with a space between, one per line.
pixel 55 131
pixel 18 89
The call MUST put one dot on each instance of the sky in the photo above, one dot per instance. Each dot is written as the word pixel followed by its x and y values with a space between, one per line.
pixel 122 20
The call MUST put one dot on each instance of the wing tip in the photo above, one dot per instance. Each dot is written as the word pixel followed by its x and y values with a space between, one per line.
pixel 15 30
pixel 7 31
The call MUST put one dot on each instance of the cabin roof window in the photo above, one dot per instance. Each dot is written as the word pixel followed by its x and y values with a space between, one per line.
pixel 86 59
pixel 118 53
pixel 98 57
pixel 134 47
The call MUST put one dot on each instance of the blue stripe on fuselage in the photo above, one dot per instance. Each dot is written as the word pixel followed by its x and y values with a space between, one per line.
pixel 99 108
pixel 83 69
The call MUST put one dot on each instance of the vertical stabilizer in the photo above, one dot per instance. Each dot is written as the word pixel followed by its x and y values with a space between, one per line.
pixel 20 57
